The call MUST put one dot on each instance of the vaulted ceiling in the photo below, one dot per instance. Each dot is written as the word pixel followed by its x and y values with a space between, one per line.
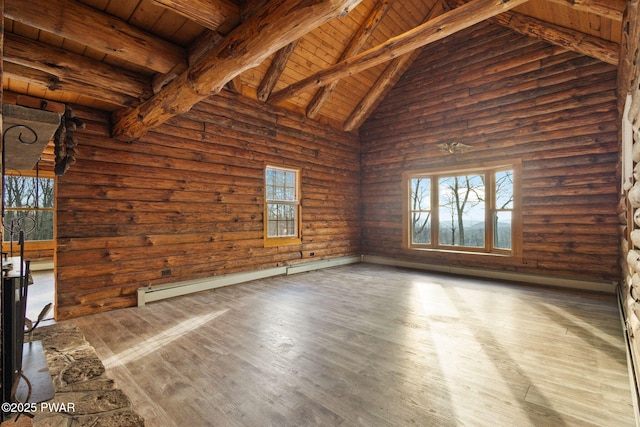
pixel 147 60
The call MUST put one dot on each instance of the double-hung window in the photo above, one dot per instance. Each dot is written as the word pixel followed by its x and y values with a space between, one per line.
pixel 465 210
pixel 282 205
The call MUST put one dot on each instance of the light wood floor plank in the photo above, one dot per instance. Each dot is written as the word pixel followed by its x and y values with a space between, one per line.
pixel 370 345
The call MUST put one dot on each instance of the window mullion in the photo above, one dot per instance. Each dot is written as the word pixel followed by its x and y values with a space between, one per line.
pixel 435 211
pixel 490 211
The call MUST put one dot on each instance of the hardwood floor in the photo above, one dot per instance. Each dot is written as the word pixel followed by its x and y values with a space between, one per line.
pixel 374 346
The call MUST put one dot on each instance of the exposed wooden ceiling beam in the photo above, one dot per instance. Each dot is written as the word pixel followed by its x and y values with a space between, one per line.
pixel 436 29
pixel 105 33
pixel 612 9
pixel 277 66
pixel 355 45
pixel 203 44
pixel 388 78
pixel 249 7
pixel 277 24
pixel 278 63
pixel 576 41
pixel 64 66
pixel 210 14
pixel 384 83
pixel 54 83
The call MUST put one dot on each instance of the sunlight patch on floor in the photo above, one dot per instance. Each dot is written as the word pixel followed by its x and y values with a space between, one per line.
pixel 585 330
pixel 160 340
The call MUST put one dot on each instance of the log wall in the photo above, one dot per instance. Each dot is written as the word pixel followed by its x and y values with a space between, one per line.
pixel 629 206
pixel 33 251
pixel 510 97
pixel 186 201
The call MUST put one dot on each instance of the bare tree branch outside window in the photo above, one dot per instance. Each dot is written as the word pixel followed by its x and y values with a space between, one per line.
pixel 29 204
pixel 462 202
pixel 502 229
pixel 421 210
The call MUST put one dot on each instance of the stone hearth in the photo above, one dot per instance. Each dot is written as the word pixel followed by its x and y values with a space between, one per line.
pixel 83 392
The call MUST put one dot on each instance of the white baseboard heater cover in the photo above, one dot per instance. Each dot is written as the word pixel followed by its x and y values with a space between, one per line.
pixel 159 292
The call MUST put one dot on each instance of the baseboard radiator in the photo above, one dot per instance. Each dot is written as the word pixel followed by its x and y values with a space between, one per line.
pixel 170 290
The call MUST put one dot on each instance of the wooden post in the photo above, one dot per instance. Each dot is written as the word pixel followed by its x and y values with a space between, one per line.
pixel 629 57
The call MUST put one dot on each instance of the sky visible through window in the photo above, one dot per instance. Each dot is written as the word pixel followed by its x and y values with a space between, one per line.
pixel 462 208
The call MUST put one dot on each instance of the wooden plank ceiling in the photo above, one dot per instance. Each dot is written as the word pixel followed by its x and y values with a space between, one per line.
pixel 146 60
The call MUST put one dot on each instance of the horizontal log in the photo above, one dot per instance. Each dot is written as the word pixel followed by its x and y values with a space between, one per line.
pixel 73 68
pixel 572 238
pixel 206 263
pixel 53 83
pixel 570 219
pixel 573 190
pixel 170 196
pixel 73 20
pixel 231 223
pixel 212 15
pixel 72 309
pixel 224 248
pixel 576 165
pixel 606 8
pixel 139 184
pixel 80 244
pixel 601 49
pixel 134 210
pixel 576 229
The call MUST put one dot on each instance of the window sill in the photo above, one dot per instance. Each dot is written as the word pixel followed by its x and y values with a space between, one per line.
pixel 460 252
pixel 282 241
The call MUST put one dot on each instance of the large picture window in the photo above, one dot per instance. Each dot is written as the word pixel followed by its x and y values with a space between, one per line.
pixel 282 205
pixel 470 210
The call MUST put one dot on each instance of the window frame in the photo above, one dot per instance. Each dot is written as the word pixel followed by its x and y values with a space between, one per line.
pixel 489 170
pixel 34 244
pixel 289 239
